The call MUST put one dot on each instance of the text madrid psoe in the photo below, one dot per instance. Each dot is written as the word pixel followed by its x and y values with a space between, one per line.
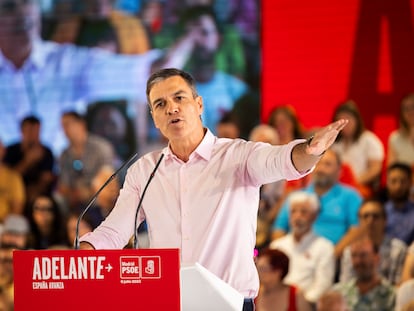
pixel 55 268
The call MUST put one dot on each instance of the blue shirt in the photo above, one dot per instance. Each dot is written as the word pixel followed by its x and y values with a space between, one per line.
pixel 60 77
pixel 400 222
pixel 219 95
pixel 338 212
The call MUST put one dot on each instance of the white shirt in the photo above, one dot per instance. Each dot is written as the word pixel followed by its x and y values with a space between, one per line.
pixel 311 263
pixel 206 207
pixel 367 147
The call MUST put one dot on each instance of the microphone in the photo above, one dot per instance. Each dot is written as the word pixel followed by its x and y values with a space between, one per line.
pixel 135 245
pixel 95 196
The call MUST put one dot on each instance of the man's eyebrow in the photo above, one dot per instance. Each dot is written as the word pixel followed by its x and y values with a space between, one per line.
pixel 179 92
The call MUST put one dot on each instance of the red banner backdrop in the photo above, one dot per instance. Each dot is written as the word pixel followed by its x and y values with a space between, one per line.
pixel 320 53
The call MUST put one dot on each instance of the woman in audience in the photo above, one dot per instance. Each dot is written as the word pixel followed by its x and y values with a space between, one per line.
pixel 401 141
pixel 46 223
pixel 274 295
pixel 85 225
pixel 286 122
pixel 360 148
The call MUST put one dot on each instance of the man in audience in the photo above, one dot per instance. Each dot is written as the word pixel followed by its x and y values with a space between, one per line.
pixel 45 79
pixel 392 251
pixel 311 256
pixel 15 232
pixel 339 204
pixel 81 161
pixel 32 159
pixel 400 210
pixel 367 290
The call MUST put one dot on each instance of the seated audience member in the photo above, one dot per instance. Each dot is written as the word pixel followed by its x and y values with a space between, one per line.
pixel 47 223
pixel 81 161
pixel 339 204
pixel 12 190
pixel 332 300
pixel 106 198
pixel 227 127
pixel 312 260
pixel 399 207
pixel 101 25
pixel 360 148
pixel 16 232
pixel 32 159
pixel 285 120
pixel 392 251
pixel 408 269
pixel 274 294
pixel 271 195
pixel 401 141
pixel 85 225
pixel 367 290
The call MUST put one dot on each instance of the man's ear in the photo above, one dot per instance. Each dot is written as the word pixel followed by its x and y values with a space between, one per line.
pixel 200 103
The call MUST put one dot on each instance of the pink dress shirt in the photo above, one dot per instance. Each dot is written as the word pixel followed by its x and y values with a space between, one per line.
pixel 206 207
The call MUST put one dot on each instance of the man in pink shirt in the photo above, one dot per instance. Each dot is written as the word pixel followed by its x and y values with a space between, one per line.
pixel 204 196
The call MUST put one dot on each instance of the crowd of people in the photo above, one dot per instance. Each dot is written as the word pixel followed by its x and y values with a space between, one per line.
pixel 340 238
pixel 347 232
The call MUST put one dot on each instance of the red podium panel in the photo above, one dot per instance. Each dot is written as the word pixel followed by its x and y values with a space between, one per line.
pixel 144 279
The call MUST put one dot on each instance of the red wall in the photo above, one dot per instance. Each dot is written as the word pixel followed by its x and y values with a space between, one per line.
pixel 319 53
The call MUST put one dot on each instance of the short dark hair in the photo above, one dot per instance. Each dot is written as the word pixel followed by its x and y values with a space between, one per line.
pixel 402 167
pixel 278 260
pixel 74 114
pixel 375 201
pixel 166 73
pixel 31 119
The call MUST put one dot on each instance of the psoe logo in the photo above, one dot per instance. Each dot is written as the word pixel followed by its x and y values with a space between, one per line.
pixel 130 267
pixel 150 267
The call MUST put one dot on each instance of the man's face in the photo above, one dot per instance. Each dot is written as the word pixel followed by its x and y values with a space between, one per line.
pixel 302 216
pixel 364 260
pixel 326 172
pixel 398 185
pixel 175 111
pixel 31 132
pixel 208 37
pixel 19 18
pixel 371 217
pixel 73 127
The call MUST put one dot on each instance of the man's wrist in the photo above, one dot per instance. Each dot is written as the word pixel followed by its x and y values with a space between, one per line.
pixel 308 144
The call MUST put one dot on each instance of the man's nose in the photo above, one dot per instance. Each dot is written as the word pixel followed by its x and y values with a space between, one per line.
pixel 172 107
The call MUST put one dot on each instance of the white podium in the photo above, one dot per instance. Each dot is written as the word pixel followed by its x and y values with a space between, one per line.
pixel 201 290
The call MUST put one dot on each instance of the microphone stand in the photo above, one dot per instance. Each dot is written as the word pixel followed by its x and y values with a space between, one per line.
pixel 95 196
pixel 135 245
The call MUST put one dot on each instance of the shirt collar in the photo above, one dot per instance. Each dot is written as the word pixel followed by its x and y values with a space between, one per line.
pixel 203 150
pixel 39 54
pixel 37 57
